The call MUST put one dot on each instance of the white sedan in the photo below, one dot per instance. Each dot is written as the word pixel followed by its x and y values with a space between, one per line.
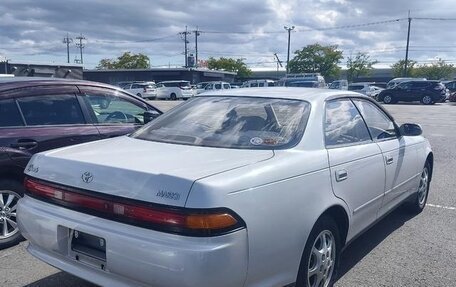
pixel 246 187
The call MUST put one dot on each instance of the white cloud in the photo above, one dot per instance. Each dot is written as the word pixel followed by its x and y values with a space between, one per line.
pixel 35 29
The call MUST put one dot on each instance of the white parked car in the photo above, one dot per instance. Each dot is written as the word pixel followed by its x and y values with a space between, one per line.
pixel 144 90
pixel 258 83
pixel 174 90
pixel 245 187
pixel 364 88
pixel 209 86
pixel 339 85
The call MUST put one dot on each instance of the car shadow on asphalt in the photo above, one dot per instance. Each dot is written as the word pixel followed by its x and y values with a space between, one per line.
pixel 365 243
pixel 61 279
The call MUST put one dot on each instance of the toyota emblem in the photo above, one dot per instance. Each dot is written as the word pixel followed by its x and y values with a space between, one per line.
pixel 87 177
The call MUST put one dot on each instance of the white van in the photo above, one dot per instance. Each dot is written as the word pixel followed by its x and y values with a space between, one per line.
pixel 173 90
pixel 258 83
pixel 209 86
pixel 313 77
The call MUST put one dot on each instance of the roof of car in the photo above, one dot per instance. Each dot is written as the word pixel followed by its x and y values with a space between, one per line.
pixel 308 94
pixel 23 82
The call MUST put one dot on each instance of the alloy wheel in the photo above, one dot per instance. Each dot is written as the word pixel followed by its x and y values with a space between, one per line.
pixel 423 188
pixel 387 99
pixel 427 100
pixel 322 260
pixel 8 205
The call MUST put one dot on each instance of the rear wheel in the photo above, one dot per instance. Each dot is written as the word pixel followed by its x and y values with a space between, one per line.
pixel 426 100
pixel 10 193
pixel 139 95
pixel 173 97
pixel 321 255
pixel 387 99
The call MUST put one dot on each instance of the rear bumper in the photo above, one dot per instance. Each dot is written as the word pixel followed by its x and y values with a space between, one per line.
pixel 150 95
pixel 134 256
pixel 440 98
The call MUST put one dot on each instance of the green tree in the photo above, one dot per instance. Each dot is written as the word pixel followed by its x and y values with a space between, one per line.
pixel 127 60
pixel 436 71
pixel 316 58
pixel 399 66
pixel 231 65
pixel 360 65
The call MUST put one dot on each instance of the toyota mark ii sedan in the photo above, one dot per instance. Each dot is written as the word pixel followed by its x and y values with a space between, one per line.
pixel 247 187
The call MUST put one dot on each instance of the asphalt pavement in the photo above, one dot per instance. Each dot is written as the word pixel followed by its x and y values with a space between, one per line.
pixel 401 250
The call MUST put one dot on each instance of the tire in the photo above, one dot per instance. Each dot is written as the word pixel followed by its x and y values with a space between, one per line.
pixel 324 269
pixel 419 199
pixel 173 97
pixel 388 99
pixel 139 95
pixel 427 100
pixel 10 192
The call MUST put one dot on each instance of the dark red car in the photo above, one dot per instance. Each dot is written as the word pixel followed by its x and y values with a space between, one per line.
pixel 38 114
pixel 452 97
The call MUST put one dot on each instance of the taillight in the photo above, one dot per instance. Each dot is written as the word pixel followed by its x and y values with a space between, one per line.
pixel 184 221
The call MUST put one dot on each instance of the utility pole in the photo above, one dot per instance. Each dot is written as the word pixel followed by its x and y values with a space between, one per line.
pixel 197 33
pixel 289 29
pixel 408 41
pixel 278 63
pixel 67 40
pixel 6 66
pixel 184 37
pixel 80 45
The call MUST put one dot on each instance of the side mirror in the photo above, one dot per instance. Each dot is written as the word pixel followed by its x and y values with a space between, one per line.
pixel 150 115
pixel 410 130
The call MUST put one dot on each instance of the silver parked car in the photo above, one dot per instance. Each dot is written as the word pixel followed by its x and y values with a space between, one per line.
pixel 245 187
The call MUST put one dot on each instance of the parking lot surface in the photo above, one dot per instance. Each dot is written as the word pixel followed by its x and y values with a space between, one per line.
pixel 401 250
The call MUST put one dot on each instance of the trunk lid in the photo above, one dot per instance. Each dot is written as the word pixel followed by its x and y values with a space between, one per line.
pixel 138 169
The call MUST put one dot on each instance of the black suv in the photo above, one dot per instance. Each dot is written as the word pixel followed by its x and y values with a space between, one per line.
pixel 427 92
pixel 38 114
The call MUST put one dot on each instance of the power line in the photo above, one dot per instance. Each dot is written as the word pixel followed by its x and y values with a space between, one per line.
pixel 133 41
pixel 309 29
pixel 434 19
pixel 353 26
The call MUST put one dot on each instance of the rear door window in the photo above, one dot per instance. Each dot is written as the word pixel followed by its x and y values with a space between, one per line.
pixel 420 85
pixel 9 114
pixel 355 87
pixel 344 125
pixel 51 110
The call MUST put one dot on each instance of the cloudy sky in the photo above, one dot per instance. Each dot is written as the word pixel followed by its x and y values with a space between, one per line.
pixel 33 30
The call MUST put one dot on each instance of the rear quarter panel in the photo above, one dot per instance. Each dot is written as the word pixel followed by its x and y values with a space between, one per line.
pixel 279 199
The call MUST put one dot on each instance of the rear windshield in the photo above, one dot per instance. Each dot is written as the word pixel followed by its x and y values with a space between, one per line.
pixel 231 122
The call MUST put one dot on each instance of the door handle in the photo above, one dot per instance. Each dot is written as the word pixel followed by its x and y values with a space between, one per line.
pixel 389 159
pixel 24 144
pixel 341 175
